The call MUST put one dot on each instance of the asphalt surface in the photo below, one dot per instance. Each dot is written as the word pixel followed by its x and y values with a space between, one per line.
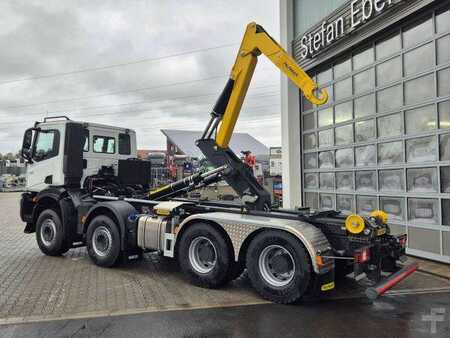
pixel 391 316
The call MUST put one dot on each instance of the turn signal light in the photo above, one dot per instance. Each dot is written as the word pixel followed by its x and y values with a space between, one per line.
pixel 362 255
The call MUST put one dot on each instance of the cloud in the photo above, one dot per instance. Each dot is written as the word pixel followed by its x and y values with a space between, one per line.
pixel 48 37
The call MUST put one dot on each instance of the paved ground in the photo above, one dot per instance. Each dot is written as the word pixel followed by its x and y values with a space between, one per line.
pixel 36 288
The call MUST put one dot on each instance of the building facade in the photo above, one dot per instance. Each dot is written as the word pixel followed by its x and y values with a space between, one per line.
pixel 383 139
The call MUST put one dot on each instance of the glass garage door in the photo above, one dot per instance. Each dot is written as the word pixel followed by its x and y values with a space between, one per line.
pixel 383 140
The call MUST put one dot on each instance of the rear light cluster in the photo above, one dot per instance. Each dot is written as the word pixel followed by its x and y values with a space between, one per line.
pixel 362 255
pixel 402 241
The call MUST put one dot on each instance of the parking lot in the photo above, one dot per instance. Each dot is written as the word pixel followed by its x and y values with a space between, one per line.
pixel 34 287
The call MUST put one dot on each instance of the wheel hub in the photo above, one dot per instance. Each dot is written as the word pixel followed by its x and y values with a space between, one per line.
pixel 101 241
pixel 202 255
pixel 276 265
pixel 48 231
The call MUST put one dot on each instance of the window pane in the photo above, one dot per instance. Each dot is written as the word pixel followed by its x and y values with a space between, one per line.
pixel 324 77
pixel 104 144
pixel 111 148
pixel 344 134
pixel 443 21
pixel 390 125
pixel 309 141
pixel 46 146
pixel 417 33
pixel 391 180
pixel 366 156
pixel 443 49
pixel 343 89
pixel 420 89
pixel 311 181
pixel 446 212
pixel 306 105
pixel 364 81
pixel 343 112
pixel 325 117
pixel 365 204
pixel 388 47
pixel 444 82
pixel 326 159
pixel 363 59
pixel 312 200
pixel 366 181
pixel 422 180
pixel 124 144
pixel 445 180
pixel 389 98
pixel 421 149
pixel 344 158
pixel 389 71
pixel 86 140
pixel 342 68
pixel 390 153
pixel 394 207
pixel 423 211
pixel 344 180
pixel 309 121
pixel 445 147
pixel 444 115
pixel 365 106
pixel 419 59
pixel 326 138
pixel 326 201
pixel 420 119
pixel 327 181
pixel 365 130
pixel 345 203
pixel 311 161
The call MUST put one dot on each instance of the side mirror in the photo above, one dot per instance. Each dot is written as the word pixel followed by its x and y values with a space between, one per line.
pixel 27 144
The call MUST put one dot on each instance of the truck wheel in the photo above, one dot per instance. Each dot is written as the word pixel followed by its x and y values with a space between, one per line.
pixel 278 267
pixel 204 256
pixel 103 241
pixel 50 233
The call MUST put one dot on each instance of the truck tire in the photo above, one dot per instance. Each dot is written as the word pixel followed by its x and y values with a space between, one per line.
pixel 103 241
pixel 50 233
pixel 278 267
pixel 204 256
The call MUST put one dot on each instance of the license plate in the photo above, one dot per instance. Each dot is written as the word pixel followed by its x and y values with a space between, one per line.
pixel 381 232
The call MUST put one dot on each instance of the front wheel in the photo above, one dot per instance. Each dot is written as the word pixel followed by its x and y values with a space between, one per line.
pixel 103 241
pixel 278 267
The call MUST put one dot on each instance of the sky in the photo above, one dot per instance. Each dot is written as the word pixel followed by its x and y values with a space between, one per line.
pixel 144 65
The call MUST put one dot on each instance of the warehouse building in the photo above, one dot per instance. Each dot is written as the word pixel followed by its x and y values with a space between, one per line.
pixel 383 139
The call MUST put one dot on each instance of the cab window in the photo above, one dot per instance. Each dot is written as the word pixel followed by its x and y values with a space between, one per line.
pixel 47 145
pixel 104 144
pixel 124 144
pixel 86 140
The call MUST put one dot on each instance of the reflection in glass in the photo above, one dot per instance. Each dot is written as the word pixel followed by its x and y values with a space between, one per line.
pixel 422 179
pixel 311 161
pixel 308 121
pixel 444 115
pixel 345 203
pixel 443 21
pixel 311 181
pixel 365 130
pixel 343 112
pixel 324 77
pixel 445 180
pixel 444 82
pixel 389 98
pixel 363 58
pixel 365 106
pixel 326 138
pixel 388 47
pixel 420 119
pixel 309 141
pixel 417 33
pixel 366 181
pixel 420 89
pixel 326 159
pixel 421 149
pixel 344 180
pixel 312 200
pixel 390 125
pixel 326 201
pixel 327 181
pixel 366 156
pixel 394 207
pixel 366 204
pixel 389 71
pixel 390 153
pixel 325 117
pixel 446 212
pixel 419 59
pixel 423 211
pixel 443 49
pixel 445 147
pixel 306 105
pixel 391 180
pixel 343 89
pixel 363 81
pixel 344 158
pixel 342 68
pixel 344 134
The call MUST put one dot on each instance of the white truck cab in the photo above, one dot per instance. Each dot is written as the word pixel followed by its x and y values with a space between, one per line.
pixel 49 146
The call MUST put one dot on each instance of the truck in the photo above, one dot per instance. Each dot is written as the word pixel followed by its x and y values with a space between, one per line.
pixel 85 187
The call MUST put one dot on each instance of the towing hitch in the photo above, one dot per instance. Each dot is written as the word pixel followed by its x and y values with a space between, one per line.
pixel 375 291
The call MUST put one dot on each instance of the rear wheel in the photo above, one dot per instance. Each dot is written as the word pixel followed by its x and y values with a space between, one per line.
pixel 103 241
pixel 204 256
pixel 279 267
pixel 50 233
